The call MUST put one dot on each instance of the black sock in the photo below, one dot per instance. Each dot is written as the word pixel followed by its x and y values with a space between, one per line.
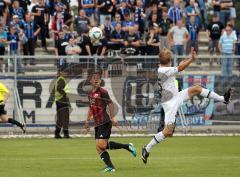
pixel 115 145
pixel 106 158
pixel 12 121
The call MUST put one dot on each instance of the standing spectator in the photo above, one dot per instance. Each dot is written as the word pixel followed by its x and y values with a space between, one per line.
pixel 3 11
pixel 89 7
pixel 81 22
pixel 41 16
pixel 216 7
pixel 30 31
pixel 3 42
pixel 14 46
pixel 107 28
pixel 165 25
pixel 123 9
pixel 227 48
pixel 17 23
pixel 193 30
pixel 154 10
pixel 105 9
pixel 193 10
pixel 63 105
pixel 127 23
pixel 139 16
pixel 24 4
pixel 178 37
pixel 60 45
pixel 175 12
pixel 57 24
pixel 16 10
pixel 214 31
pixel 153 42
pixel 154 23
pixel 203 11
pixel 225 13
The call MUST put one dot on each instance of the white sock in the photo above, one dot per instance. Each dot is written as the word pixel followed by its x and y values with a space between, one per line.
pixel 209 94
pixel 157 139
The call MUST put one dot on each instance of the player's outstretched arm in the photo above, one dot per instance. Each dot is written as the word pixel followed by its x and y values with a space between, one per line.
pixel 185 63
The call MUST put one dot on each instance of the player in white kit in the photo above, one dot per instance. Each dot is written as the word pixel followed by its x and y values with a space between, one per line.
pixel 172 99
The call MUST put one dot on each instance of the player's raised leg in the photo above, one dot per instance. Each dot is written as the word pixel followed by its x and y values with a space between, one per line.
pixel 129 147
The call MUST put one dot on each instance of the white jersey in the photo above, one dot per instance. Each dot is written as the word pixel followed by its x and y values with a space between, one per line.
pixel 166 76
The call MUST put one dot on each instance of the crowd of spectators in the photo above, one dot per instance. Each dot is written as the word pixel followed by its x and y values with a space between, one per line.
pixel 130 26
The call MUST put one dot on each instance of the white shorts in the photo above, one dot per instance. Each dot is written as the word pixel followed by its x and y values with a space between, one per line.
pixel 171 107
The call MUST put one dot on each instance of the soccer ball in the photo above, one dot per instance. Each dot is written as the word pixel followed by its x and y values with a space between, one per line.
pixel 95 34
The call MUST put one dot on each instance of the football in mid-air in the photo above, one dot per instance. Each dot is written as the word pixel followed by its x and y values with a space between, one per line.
pixel 95 34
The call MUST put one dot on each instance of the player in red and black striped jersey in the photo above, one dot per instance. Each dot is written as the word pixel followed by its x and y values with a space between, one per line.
pixel 99 106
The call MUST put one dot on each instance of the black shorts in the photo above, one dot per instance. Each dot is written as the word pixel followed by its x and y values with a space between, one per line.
pixel 103 131
pixel 2 111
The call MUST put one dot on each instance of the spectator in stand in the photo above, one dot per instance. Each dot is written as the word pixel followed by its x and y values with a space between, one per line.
pixel 117 37
pixel 203 11
pixel 227 49
pixel 193 30
pixel 85 43
pixel 30 32
pixel 193 10
pixel 162 5
pixel 153 42
pixel 131 4
pixel 175 12
pixel 214 31
pixel 225 13
pixel 154 23
pixel 139 16
pixel 178 37
pixel 123 9
pixel 16 10
pixel 154 10
pixel 131 42
pixel 89 7
pixel 116 21
pixel 105 9
pixel 24 4
pixel 3 43
pixel 81 22
pixel 3 11
pixel 17 22
pixel 216 7
pixel 41 16
pixel 165 25
pixel 14 46
pixel 107 28
pixel 57 25
pixel 60 45
pixel 127 23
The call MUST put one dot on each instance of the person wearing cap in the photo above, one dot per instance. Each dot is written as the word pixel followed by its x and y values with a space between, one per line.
pixel 61 90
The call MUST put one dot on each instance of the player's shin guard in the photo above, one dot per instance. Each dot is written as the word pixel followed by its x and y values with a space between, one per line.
pixel 12 121
pixel 115 145
pixel 106 159
pixel 156 139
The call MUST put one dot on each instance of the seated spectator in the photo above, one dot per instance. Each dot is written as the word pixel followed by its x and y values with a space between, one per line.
pixel 16 10
pixel 131 42
pixel 107 28
pixel 214 31
pixel 117 37
pixel 178 37
pixel 193 10
pixel 72 48
pixel 81 22
pixel 175 12
pixel 116 20
pixel 193 30
pixel 85 43
pixel 17 23
pixel 30 32
pixel 89 7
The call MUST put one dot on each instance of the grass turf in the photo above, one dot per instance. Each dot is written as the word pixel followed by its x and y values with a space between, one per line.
pixel 175 157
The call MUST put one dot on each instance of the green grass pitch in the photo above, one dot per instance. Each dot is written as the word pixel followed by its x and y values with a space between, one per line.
pixel 175 157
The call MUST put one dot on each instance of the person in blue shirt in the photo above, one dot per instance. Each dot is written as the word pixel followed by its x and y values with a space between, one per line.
pixel 16 10
pixel 193 30
pixel 193 10
pixel 88 7
pixel 14 46
pixel 175 12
